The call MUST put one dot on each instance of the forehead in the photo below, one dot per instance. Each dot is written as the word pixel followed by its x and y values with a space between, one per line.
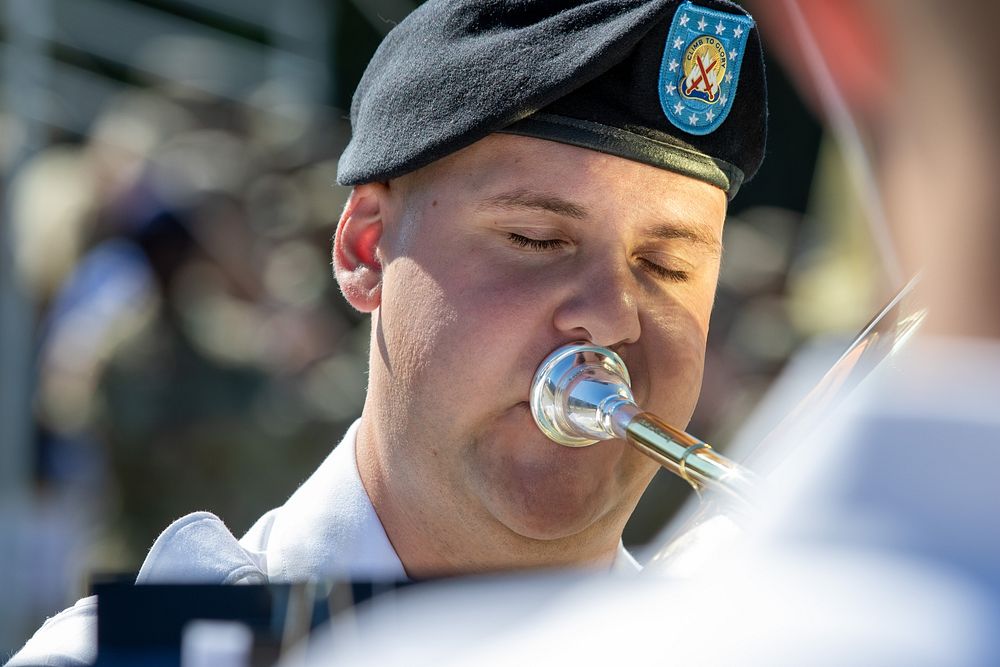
pixel 503 163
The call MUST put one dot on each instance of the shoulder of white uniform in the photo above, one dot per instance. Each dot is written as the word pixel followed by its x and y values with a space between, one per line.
pixel 68 639
pixel 199 548
pixel 258 538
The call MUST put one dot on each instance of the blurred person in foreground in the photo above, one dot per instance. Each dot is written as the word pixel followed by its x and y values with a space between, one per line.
pixel 878 544
pixel 525 174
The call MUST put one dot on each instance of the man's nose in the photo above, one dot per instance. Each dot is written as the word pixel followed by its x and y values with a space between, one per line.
pixel 601 307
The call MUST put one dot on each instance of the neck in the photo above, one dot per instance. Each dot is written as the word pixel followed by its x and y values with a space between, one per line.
pixel 434 535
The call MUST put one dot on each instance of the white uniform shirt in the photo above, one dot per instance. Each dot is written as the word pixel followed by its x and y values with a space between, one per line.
pixel 327 529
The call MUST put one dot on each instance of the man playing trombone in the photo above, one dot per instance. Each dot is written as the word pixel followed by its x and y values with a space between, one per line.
pixel 525 174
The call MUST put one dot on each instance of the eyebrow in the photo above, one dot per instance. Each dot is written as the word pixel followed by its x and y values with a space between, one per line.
pixel 524 200
pixel 529 200
pixel 670 232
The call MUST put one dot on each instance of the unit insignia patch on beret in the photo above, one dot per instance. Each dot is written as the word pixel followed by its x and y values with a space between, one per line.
pixel 701 66
pixel 589 73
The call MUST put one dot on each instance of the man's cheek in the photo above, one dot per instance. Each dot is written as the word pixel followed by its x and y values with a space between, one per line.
pixel 672 358
pixel 500 303
pixel 416 313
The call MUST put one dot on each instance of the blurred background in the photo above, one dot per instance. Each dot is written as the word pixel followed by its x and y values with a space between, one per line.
pixel 171 337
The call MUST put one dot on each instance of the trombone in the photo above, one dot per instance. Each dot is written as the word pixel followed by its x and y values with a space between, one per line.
pixel 581 394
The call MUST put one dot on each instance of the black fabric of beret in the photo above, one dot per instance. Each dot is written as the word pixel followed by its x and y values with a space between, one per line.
pixel 585 73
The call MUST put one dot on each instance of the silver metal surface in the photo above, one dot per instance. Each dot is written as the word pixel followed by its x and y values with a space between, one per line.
pixel 576 391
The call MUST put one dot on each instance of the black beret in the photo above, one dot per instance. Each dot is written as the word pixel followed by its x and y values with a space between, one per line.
pixel 678 85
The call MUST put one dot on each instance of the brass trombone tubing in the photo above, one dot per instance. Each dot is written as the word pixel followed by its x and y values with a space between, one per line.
pixel 689 458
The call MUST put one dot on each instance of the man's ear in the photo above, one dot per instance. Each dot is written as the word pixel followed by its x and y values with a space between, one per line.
pixel 356 260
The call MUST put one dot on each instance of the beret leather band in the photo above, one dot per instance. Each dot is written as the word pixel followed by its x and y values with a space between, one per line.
pixel 666 152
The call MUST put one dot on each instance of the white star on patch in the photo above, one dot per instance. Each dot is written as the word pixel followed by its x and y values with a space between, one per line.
pixel 737 32
pixel 671 88
pixel 732 54
pixel 678 43
pixel 729 77
pixel 724 99
pixel 719 29
pixel 702 23
pixel 684 20
pixel 693 119
pixel 709 115
pixel 678 108
pixel 673 64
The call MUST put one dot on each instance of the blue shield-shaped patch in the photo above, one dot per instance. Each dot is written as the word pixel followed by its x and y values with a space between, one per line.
pixel 701 66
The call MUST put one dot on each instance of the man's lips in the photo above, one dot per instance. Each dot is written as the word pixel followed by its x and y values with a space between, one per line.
pixel 525 408
pixel 529 443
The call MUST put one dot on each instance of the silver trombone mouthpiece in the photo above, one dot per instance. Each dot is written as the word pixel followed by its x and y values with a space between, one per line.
pixel 582 394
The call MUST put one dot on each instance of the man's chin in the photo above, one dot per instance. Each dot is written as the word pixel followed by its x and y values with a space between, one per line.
pixel 551 499
pixel 540 489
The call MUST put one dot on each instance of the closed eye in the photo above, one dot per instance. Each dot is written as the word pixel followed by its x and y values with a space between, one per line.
pixel 674 275
pixel 534 244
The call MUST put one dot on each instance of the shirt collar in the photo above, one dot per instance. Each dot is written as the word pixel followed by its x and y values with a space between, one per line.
pixel 329 528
